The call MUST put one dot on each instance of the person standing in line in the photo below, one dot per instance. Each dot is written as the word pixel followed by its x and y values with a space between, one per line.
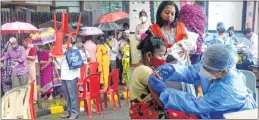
pixel 31 54
pixel 69 80
pixel 113 52
pixel 17 55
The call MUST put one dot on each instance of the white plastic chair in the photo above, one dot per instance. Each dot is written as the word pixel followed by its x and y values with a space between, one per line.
pixel 251 82
pixel 20 102
pixel 26 104
pixel 9 104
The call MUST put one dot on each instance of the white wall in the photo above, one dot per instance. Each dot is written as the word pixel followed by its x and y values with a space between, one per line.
pixel 230 13
pixel 256 30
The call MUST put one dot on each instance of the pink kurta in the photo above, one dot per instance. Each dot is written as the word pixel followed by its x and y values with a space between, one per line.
pixel 91 47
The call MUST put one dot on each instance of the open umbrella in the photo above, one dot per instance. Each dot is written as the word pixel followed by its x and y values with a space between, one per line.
pixel 18 27
pixel 74 24
pixel 114 16
pixel 44 36
pixel 109 26
pixel 90 31
pixel 51 24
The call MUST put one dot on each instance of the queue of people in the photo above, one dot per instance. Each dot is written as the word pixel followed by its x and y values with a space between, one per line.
pixel 208 86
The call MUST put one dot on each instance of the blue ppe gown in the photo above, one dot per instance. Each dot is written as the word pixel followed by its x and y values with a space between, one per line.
pixel 228 94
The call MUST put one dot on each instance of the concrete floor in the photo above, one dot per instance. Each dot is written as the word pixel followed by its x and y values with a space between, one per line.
pixel 107 113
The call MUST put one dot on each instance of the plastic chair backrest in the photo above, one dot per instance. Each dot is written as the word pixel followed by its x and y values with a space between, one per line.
pixel 251 81
pixel 9 104
pixel 94 84
pixel 20 101
pixel 115 76
pixel 31 102
pixel 93 67
pixel 29 110
pixel 83 73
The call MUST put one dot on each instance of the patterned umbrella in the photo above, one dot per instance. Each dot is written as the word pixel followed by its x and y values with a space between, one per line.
pixel 90 31
pixel 109 26
pixel 113 17
pixel 18 27
pixel 44 36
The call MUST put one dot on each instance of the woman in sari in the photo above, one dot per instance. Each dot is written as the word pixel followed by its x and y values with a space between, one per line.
pixel 144 103
pixel 46 73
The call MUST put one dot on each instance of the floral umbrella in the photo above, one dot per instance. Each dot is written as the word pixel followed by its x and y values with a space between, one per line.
pixel 44 36
pixel 90 31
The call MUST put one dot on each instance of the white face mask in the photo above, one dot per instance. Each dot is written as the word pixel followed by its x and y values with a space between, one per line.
pixel 143 19
pixel 205 74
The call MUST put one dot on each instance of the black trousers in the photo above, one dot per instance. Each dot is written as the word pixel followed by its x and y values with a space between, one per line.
pixel 120 67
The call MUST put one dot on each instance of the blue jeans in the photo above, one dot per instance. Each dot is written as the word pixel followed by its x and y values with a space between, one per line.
pixel 70 93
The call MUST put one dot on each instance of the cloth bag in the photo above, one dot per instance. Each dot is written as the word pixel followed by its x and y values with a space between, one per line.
pixel 74 59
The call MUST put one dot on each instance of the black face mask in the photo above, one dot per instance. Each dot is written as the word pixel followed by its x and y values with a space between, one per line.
pixel 168 23
pixel 230 35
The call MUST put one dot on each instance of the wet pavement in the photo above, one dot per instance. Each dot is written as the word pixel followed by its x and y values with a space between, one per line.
pixel 107 113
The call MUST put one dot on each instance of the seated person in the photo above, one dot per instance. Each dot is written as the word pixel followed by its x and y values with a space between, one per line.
pixel 223 85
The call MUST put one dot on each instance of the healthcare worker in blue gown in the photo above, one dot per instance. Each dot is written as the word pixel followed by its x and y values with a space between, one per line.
pixel 224 87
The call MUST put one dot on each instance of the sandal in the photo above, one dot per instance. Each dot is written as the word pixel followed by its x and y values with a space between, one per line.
pixel 72 117
pixel 65 116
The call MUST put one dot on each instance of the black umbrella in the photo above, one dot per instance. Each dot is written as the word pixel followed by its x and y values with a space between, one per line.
pixel 74 24
pixel 51 24
pixel 109 26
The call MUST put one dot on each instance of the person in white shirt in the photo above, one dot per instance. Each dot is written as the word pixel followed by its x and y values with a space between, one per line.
pixel 69 79
pixel 252 48
pixel 143 26
pixel 113 45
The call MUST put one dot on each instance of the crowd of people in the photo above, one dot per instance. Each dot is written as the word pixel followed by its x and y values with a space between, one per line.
pixel 183 73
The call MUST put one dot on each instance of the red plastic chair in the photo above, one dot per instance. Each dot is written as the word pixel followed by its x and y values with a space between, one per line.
pixel 93 67
pixel 83 75
pixel 115 75
pixel 127 95
pixel 93 82
pixel 31 103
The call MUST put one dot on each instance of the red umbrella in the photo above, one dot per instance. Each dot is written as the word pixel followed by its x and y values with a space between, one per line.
pixel 18 27
pixel 114 16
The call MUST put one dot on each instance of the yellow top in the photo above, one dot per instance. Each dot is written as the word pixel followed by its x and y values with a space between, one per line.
pixel 139 82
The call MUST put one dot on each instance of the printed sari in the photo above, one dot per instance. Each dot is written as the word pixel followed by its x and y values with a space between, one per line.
pixel 46 75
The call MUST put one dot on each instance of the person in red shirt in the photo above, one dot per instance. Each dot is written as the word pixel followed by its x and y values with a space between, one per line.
pixel 31 54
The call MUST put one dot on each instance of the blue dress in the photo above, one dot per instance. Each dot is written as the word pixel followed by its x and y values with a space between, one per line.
pixel 228 94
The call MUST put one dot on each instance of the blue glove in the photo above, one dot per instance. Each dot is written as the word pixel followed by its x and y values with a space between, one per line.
pixel 166 71
pixel 157 84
